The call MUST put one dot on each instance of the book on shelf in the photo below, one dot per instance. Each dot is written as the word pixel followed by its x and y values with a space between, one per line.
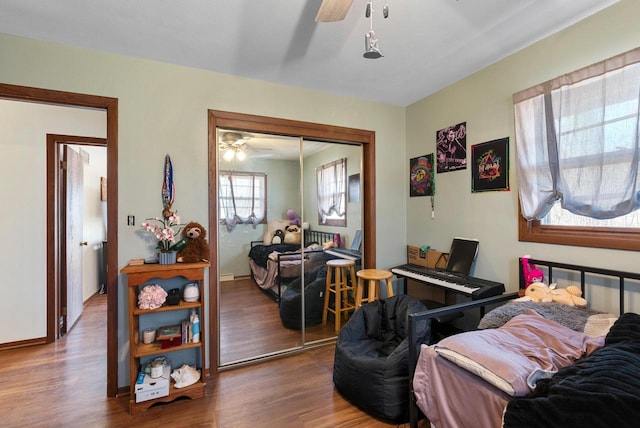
pixel 187 332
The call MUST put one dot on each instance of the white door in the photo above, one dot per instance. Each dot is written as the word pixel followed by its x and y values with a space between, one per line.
pixel 71 293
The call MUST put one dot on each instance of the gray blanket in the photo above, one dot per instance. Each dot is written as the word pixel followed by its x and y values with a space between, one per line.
pixel 572 317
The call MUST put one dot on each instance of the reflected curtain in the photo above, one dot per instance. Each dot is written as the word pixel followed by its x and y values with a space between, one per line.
pixel 331 183
pixel 242 198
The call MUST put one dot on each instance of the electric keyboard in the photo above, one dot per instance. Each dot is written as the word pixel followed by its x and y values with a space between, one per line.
pixel 344 253
pixel 476 288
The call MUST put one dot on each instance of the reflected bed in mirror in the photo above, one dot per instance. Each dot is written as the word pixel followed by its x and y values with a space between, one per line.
pixel 266 181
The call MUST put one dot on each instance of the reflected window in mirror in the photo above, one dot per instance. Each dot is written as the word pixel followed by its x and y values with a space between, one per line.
pixel 242 198
pixel 332 193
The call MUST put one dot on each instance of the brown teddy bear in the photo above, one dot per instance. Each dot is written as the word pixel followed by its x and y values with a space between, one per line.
pixel 196 249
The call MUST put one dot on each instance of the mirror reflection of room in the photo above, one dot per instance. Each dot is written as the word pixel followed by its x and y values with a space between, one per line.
pixel 285 205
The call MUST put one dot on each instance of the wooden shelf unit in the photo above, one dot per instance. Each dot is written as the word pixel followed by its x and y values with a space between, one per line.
pixel 138 276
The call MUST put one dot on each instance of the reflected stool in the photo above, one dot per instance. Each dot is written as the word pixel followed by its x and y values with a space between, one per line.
pixel 339 273
pixel 372 278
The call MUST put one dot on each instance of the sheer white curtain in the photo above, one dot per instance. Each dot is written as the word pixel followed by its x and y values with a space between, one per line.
pixel 332 186
pixel 577 141
pixel 242 198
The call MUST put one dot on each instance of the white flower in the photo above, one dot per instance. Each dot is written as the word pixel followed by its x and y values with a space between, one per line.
pixel 164 229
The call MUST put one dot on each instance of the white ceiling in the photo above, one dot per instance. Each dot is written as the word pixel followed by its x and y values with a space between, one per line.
pixel 427 44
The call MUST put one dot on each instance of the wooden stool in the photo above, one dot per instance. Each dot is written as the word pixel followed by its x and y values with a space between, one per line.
pixel 341 269
pixel 373 278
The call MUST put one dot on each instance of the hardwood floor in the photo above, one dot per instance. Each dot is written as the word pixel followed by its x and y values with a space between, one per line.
pixel 250 323
pixel 63 385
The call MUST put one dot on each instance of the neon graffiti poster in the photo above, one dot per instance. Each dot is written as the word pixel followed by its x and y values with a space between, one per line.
pixel 490 170
pixel 451 148
pixel 421 180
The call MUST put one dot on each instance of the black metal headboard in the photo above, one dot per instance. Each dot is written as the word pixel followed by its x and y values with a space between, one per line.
pixel 544 265
pixel 318 236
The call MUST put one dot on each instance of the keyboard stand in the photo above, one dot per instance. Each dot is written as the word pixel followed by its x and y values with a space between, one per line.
pixel 435 297
pixel 443 324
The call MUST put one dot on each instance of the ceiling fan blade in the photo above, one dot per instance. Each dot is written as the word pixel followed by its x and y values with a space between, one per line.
pixel 333 10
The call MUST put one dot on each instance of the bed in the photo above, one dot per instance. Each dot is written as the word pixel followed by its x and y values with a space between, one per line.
pixel 531 365
pixel 274 264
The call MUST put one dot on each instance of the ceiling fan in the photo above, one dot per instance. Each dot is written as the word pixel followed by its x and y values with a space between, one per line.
pixel 336 10
pixel 231 145
pixel 238 145
pixel 232 139
pixel 333 10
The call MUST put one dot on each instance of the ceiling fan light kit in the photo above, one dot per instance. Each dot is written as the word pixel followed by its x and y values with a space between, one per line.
pixel 371 49
pixel 231 153
pixel 336 10
pixel 231 146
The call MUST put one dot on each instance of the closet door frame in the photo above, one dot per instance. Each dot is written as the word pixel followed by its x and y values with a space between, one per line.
pixel 306 130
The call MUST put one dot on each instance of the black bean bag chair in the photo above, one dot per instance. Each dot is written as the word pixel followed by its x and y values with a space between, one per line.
pixel 371 365
pixel 291 300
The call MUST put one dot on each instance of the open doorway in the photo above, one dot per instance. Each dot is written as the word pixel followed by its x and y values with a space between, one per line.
pixel 80 224
pixel 44 253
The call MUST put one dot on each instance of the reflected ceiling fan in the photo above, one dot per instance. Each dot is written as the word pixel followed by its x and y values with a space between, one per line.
pixel 233 145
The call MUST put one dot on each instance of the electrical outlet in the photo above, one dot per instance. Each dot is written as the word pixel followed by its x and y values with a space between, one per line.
pixel 131 220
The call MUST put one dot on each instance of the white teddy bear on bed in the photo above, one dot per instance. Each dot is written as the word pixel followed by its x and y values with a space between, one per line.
pixel 540 292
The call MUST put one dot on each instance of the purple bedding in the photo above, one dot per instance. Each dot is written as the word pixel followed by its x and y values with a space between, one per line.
pixel 467 379
pixel 599 390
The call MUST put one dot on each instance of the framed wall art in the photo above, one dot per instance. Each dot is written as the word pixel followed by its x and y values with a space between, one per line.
pixel 451 148
pixel 354 188
pixel 490 171
pixel 421 176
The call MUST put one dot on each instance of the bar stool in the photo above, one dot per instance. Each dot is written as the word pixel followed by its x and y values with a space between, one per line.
pixel 339 271
pixel 372 278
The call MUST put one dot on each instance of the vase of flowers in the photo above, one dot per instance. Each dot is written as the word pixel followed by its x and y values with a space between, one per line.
pixel 165 229
pixel 167 257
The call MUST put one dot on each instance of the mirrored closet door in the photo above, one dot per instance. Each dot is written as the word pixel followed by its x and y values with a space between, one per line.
pixel 271 235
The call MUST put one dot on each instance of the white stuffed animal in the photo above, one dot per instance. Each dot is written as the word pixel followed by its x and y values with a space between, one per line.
pixel 185 376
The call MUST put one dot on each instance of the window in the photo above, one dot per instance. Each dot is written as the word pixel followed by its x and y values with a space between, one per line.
pixel 578 156
pixel 332 191
pixel 243 198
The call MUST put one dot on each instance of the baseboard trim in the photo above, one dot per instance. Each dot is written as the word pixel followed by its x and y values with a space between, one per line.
pixel 23 343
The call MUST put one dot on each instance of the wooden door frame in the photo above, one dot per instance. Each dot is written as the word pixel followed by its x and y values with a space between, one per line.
pixel 270 125
pixel 110 106
pixel 55 212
